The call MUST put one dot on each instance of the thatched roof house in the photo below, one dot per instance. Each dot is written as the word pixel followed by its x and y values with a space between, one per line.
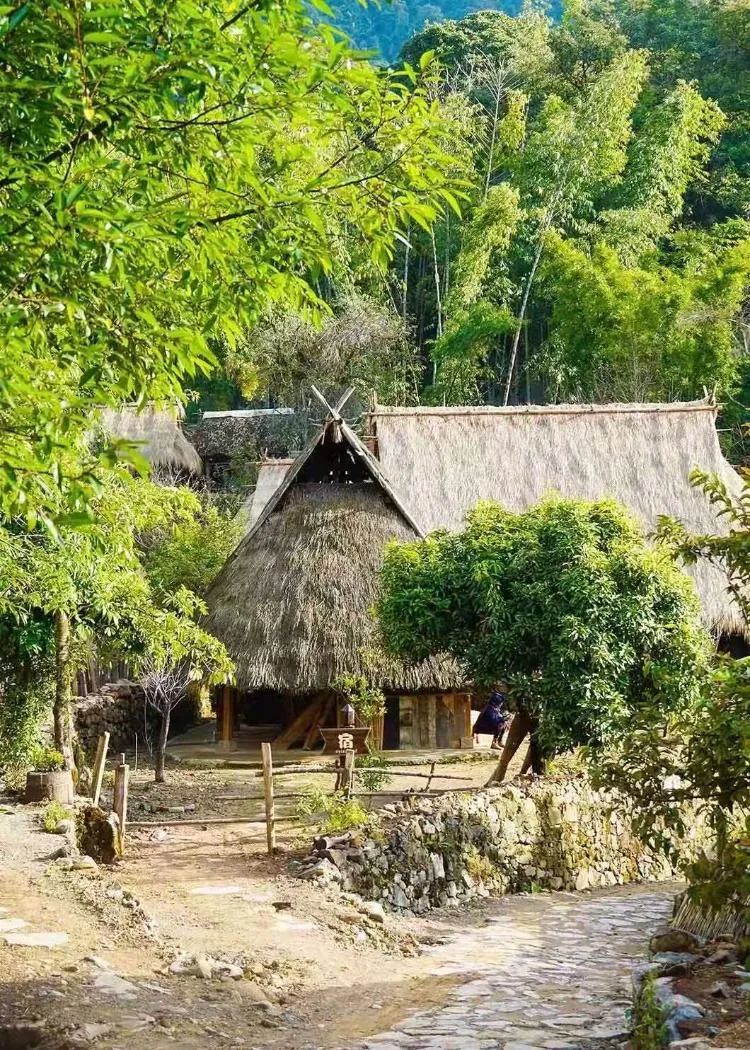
pixel 158 434
pixel 292 603
pixel 247 434
pixel 444 460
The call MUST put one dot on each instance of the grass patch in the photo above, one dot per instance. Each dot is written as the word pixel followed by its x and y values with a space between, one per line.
pixel 649 1027
pixel 53 813
pixel 332 812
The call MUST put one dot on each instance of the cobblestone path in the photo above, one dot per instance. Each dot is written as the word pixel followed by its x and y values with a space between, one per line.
pixel 548 971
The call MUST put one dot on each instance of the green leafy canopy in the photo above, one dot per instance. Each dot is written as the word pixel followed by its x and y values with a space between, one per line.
pixel 166 174
pixel 564 601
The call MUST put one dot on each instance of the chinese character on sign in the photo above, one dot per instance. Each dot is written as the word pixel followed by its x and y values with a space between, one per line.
pixel 345 742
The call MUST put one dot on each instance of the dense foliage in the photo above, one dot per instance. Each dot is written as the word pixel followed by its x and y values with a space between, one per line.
pixel 699 754
pixel 167 172
pixel 604 253
pixel 564 602
pixel 602 248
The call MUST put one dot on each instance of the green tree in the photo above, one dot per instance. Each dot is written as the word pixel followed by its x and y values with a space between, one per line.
pixel 87 583
pixel 657 331
pixel 167 173
pixel 609 144
pixel 362 343
pixel 565 602
pixel 188 550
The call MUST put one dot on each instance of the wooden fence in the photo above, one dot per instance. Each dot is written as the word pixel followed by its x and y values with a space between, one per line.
pixel 344 771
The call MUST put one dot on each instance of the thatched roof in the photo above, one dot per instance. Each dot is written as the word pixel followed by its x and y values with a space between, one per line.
pixel 443 460
pixel 292 604
pixel 158 434
pixel 253 431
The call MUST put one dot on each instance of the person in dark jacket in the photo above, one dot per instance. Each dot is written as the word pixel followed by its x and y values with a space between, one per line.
pixel 493 718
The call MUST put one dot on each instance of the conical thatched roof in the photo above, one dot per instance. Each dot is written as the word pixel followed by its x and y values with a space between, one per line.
pixel 292 604
pixel 158 434
pixel 443 460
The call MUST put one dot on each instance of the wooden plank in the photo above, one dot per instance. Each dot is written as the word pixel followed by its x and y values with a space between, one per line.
pixel 99 763
pixel 432 702
pixel 348 774
pixel 268 795
pixel 299 726
pixel 317 724
pixel 120 799
pixel 377 732
pixel 466 711
pixel 192 821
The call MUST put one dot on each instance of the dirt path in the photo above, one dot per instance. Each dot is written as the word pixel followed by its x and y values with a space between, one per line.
pixel 318 974
pixel 206 892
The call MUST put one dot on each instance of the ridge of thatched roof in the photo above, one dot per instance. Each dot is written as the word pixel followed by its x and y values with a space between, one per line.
pixel 292 604
pixel 444 460
pixel 158 434
pixel 338 431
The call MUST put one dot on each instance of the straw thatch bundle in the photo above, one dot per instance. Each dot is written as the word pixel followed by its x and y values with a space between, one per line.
pixel 293 602
pixel 443 460
pixel 158 434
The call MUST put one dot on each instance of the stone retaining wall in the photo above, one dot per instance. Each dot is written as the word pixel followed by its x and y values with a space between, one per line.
pixel 118 709
pixel 552 834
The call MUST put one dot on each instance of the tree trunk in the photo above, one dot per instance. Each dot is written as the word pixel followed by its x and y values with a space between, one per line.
pixel 520 727
pixel 438 297
pixel 535 759
pixel 61 709
pixel 161 746
pixel 405 288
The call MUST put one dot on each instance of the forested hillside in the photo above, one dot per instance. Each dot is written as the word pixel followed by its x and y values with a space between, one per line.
pixel 385 27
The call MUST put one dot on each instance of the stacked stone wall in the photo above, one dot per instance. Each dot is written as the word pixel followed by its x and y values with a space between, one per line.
pixel 557 834
pixel 117 708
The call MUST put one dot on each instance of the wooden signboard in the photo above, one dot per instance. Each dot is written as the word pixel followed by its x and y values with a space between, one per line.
pixel 339 741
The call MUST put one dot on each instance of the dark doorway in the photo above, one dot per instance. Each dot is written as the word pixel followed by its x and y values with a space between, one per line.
pixel 391 737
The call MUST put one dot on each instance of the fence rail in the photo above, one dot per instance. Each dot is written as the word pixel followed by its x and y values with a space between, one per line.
pixel 344 769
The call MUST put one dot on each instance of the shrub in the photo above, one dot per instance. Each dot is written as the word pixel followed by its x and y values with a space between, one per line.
pixel 372 771
pixel 649 1026
pixel 367 701
pixel 565 601
pixel 46 759
pixel 333 812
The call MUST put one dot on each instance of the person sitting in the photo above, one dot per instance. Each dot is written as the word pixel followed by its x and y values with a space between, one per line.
pixel 493 719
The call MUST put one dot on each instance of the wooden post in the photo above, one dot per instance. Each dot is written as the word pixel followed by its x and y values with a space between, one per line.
pixel 347 774
pixel 268 792
pixel 226 724
pixel 99 762
pixel 429 778
pixel 120 799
